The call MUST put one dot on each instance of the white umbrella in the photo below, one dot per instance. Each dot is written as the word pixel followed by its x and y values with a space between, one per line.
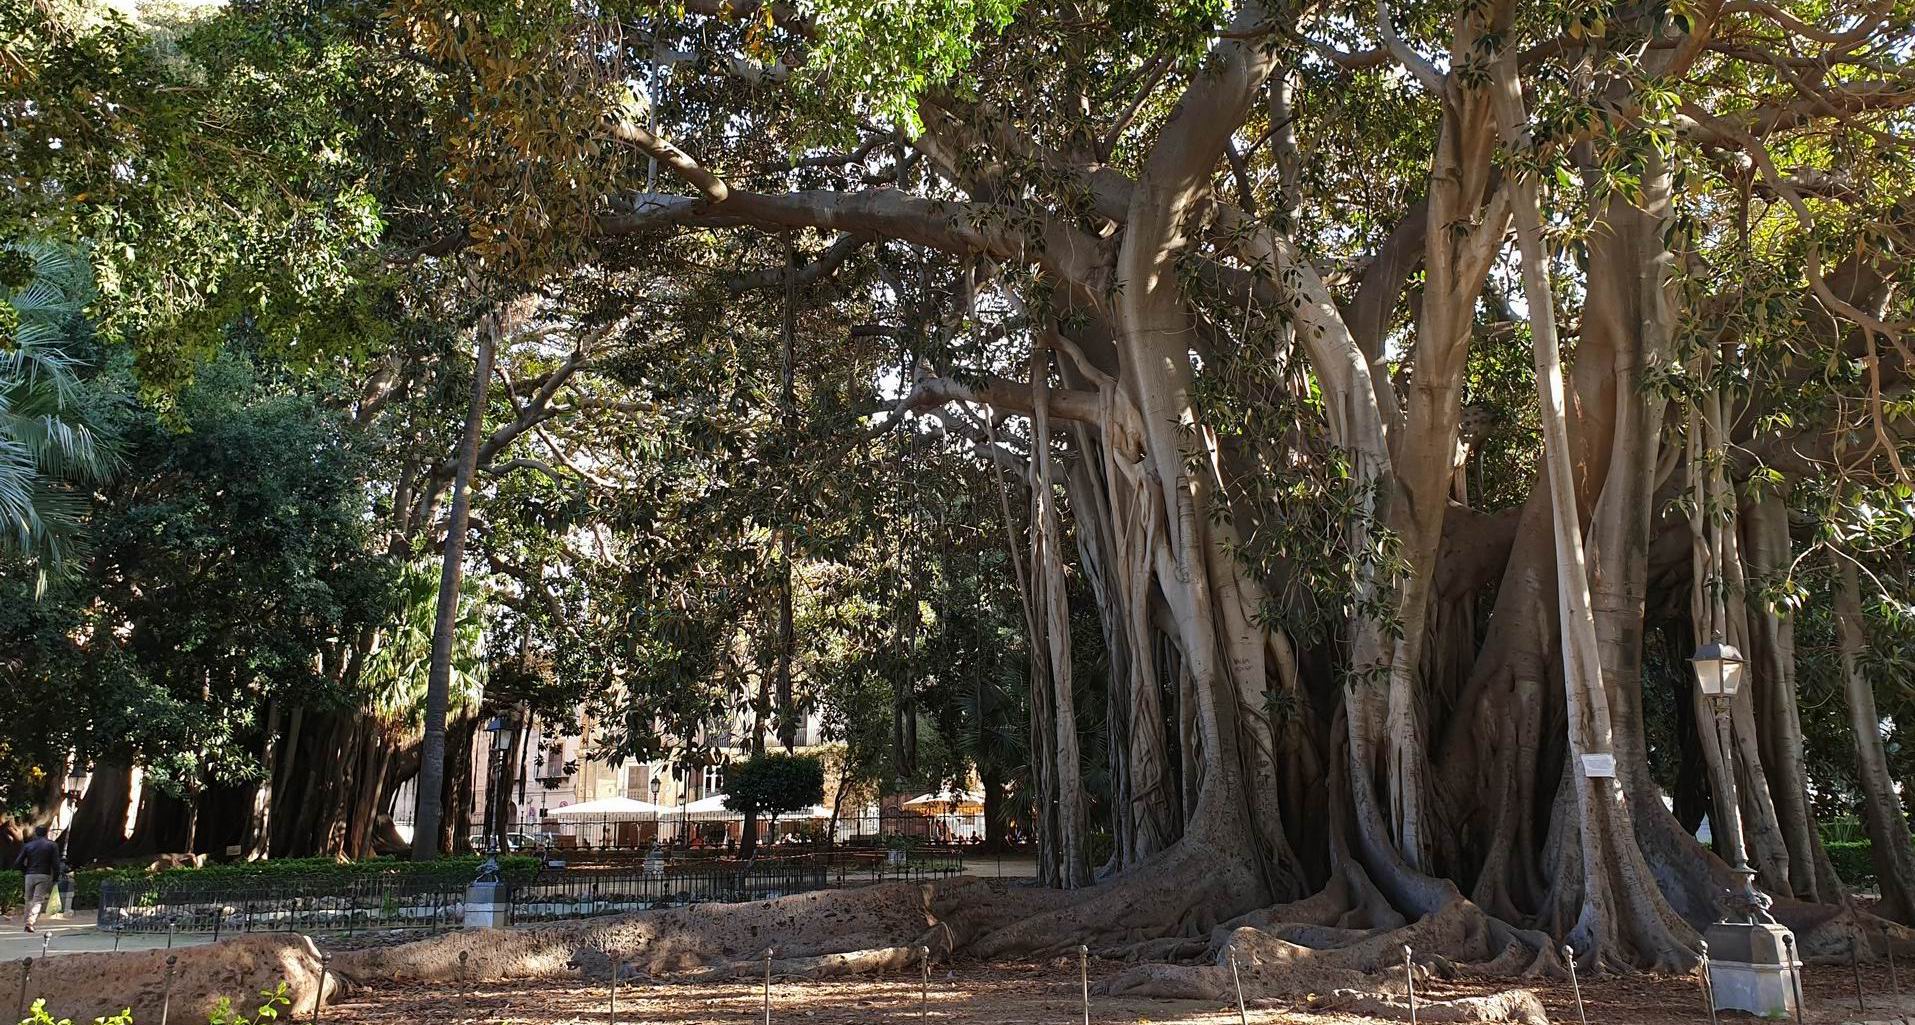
pixel 612 809
pixel 710 807
pixel 946 796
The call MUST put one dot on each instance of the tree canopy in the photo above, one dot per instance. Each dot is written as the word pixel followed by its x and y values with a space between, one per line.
pixel 1276 447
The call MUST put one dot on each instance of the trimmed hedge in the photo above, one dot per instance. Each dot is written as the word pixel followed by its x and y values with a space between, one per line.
pixel 462 869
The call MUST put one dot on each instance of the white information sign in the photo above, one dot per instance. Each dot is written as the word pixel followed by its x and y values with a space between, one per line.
pixel 1599 766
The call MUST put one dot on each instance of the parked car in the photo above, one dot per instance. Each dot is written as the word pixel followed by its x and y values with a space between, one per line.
pixel 517 841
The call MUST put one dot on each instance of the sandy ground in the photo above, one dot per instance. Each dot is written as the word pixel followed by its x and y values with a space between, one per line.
pixel 1032 994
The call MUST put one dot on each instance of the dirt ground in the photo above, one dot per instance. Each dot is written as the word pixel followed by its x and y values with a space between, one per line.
pixel 1036 994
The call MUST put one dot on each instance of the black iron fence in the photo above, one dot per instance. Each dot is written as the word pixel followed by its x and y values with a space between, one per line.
pixel 321 904
pixel 709 832
pixel 429 900
pixel 581 893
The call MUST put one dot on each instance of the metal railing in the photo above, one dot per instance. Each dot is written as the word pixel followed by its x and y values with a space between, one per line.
pixel 726 832
pixel 429 900
pixel 582 893
pixel 325 904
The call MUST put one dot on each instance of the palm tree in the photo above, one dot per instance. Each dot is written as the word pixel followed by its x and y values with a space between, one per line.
pixel 397 671
pixel 51 443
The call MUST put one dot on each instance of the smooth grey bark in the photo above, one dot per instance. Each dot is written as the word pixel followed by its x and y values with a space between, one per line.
pixel 1623 918
pixel 430 808
pixel 1882 813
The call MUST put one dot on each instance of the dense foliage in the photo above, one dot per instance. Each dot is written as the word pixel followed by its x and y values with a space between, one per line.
pixel 1269 446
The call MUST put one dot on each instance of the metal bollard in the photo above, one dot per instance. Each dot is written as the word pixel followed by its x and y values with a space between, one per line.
pixel 768 952
pixel 26 979
pixel 117 930
pixel 1855 966
pixel 1243 1015
pixel 1083 974
pixel 1569 958
pixel 46 945
pixel 924 985
pixel 325 972
pixel 171 924
pixel 1795 974
pixel 1708 988
pixel 1409 982
pixel 166 991
pixel 219 921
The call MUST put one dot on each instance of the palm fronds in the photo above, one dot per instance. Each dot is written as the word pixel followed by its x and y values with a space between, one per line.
pixel 51 444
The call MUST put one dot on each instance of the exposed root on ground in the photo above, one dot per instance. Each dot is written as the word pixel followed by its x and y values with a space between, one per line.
pixel 1330 942
pixel 1829 933
pixel 677 941
pixel 822 966
pixel 84 986
pixel 1184 893
pixel 1514 1005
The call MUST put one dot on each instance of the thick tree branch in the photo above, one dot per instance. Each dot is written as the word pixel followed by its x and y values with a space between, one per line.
pixel 957 227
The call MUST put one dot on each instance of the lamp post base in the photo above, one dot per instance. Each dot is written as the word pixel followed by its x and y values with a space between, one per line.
pixel 1750 969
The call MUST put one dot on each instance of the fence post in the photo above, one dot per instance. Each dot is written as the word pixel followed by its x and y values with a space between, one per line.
pixel 319 998
pixel 768 952
pixel 166 990
pixel 26 980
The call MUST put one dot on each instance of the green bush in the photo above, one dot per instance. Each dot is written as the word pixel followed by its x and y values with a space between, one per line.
pixel 1843 829
pixel 223 1013
pixel 1854 861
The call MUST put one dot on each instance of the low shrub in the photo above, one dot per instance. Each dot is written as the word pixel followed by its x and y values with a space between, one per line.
pixel 1854 861
pixel 223 1013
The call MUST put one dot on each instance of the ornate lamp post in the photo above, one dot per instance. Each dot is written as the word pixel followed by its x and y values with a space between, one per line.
pixel 1750 964
pixel 656 782
pixel 501 729
pixel 655 858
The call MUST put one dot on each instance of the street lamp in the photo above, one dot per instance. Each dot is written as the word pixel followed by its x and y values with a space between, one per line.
pixel 655 787
pixel 501 729
pixel 1718 669
pixel 76 780
pixel 1751 967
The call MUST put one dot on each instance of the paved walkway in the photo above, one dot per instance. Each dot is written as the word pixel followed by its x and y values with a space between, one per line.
pixel 68 935
pixel 1010 866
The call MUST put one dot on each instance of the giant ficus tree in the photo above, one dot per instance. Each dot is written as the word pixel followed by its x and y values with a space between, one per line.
pixel 1387 374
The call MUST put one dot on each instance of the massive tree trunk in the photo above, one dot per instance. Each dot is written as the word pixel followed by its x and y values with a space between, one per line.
pixel 99 824
pixel 1623 917
pixel 426 838
pixel 1882 813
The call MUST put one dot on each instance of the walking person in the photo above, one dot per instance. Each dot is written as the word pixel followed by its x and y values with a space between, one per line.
pixel 40 862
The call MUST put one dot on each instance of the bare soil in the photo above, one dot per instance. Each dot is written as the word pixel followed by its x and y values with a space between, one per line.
pixel 1026 993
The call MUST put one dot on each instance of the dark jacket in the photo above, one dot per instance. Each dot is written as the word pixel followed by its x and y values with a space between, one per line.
pixel 40 857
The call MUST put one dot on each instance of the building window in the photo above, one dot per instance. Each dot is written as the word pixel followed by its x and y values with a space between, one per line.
pixel 714 779
pixel 637 779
